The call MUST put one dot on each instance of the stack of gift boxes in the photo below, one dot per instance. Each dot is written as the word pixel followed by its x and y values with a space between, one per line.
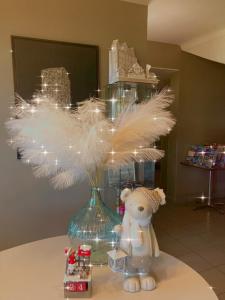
pixel 207 156
pixel 77 279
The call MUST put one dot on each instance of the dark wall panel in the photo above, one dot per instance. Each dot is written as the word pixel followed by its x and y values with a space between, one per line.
pixel 30 56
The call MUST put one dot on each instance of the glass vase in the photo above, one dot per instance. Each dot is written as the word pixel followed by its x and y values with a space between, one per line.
pixel 93 225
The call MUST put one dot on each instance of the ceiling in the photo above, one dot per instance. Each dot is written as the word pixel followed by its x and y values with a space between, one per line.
pixel 198 26
pixel 179 21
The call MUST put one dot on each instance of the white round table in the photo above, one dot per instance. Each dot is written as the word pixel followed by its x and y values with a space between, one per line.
pixel 36 270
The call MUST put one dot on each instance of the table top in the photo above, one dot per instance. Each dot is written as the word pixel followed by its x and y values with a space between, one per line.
pixel 36 270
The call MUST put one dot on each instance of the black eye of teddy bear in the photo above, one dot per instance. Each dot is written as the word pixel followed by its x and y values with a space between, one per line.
pixel 141 208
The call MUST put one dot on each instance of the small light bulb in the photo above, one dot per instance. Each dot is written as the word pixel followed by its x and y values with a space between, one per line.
pixel 113 100
pixel 135 152
pixel 33 110
pixel 37 100
pixel 97 239
pixel 97 110
pixel 45 152
pixel 203 197
pixel 112 130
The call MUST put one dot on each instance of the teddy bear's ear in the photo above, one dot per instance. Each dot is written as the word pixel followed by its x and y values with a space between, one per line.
pixel 161 195
pixel 124 194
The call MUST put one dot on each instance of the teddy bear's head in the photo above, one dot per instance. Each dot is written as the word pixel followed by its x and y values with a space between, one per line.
pixel 141 203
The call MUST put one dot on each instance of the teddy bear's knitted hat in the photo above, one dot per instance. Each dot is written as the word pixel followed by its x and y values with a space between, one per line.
pixel 156 196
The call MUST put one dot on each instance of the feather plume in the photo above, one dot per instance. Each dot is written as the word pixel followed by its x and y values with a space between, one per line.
pixel 140 155
pixel 141 126
pixel 70 145
pixel 56 142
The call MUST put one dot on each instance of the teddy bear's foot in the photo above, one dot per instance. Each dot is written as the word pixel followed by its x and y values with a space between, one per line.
pixel 131 284
pixel 147 283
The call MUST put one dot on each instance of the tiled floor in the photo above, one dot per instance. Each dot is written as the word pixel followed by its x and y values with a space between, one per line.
pixel 197 238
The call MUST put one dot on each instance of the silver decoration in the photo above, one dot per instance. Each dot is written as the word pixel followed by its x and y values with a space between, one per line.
pixel 55 83
pixel 124 66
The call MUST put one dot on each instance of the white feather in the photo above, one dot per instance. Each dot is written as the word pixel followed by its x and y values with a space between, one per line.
pixel 71 145
pixel 139 127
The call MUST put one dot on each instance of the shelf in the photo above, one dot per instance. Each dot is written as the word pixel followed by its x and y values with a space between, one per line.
pixel 201 167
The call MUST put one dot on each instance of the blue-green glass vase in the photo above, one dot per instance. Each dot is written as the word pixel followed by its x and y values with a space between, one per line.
pixel 93 225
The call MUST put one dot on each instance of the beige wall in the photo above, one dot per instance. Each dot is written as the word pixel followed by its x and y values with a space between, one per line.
pixel 29 208
pixel 201 120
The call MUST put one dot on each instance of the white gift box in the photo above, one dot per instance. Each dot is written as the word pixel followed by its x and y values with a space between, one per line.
pixel 117 260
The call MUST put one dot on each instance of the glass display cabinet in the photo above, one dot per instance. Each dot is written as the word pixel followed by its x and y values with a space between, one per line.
pixel 121 93
pixel 118 96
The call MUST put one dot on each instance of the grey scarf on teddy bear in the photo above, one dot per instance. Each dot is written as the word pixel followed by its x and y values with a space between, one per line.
pixel 132 235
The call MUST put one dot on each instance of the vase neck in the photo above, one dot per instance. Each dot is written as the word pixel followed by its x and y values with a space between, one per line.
pixel 95 197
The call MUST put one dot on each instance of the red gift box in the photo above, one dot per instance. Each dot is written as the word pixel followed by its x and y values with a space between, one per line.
pixel 82 252
pixel 76 286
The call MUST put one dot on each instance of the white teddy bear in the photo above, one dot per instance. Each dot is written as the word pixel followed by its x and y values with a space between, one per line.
pixel 137 236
